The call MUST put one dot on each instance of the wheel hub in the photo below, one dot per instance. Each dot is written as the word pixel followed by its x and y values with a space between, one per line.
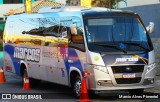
pixel 77 87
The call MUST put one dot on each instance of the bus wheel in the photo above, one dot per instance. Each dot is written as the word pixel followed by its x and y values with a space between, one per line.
pixel 25 74
pixel 77 86
pixel 136 92
pixel 33 82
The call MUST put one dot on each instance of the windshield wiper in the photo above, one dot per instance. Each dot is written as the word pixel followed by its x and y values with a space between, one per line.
pixel 137 44
pixel 112 46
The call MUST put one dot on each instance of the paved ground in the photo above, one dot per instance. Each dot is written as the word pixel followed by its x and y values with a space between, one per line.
pixel 156 89
pixel 60 93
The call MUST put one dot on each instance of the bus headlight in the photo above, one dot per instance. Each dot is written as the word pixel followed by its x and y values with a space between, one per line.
pixel 101 68
pixel 150 66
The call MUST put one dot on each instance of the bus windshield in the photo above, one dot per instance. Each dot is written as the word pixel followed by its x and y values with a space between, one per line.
pixel 116 34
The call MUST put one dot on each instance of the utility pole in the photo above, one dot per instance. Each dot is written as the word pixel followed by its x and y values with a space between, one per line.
pixel 87 3
pixel 28 6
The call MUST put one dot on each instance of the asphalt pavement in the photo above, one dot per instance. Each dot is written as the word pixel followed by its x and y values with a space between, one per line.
pixel 156 89
pixel 51 92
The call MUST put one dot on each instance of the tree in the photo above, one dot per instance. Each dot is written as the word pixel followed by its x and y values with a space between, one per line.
pixel 68 1
pixel 113 4
pixel 101 3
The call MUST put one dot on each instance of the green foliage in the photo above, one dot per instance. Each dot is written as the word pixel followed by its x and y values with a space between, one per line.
pixel 114 3
pixel 101 3
pixel 53 0
pixel 1 47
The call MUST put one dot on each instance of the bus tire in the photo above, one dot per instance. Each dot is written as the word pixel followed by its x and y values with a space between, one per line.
pixel 33 82
pixel 24 74
pixel 76 87
pixel 136 92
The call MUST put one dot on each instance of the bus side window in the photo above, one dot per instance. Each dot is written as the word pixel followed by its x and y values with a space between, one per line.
pixel 77 41
pixel 51 31
pixel 63 32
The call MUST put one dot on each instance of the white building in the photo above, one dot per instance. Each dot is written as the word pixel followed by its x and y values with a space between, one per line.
pixel 4 8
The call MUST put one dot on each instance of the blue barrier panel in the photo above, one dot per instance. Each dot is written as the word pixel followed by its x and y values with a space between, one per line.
pixel 1 55
pixel 1 59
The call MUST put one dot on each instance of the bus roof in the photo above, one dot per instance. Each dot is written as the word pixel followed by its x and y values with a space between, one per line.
pixel 80 9
pixel 76 10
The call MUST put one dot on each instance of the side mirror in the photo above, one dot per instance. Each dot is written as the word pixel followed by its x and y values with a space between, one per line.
pixel 73 28
pixel 150 28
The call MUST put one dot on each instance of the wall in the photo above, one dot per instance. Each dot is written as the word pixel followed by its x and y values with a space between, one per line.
pixel 151 13
pixel 6 7
pixel 131 3
pixel 1 1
